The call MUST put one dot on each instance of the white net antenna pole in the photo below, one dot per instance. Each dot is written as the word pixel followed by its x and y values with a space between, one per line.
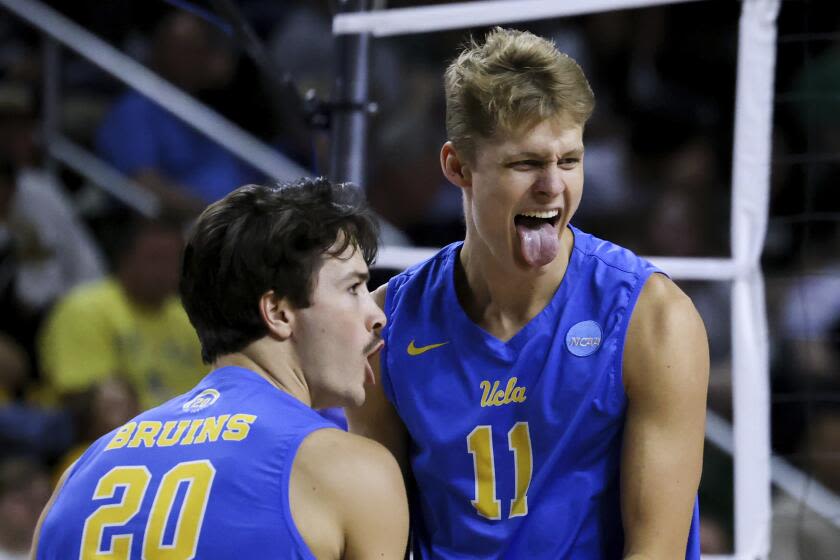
pixel 750 196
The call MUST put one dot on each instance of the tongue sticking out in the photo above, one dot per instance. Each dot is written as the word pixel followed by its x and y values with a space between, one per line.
pixel 539 242
pixel 369 377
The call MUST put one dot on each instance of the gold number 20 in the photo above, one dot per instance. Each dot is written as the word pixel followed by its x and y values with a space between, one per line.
pixel 480 445
pixel 135 479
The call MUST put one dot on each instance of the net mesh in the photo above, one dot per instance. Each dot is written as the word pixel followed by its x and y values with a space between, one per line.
pixel 802 266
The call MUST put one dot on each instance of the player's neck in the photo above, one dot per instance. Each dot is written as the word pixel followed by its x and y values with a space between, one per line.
pixel 269 363
pixel 501 297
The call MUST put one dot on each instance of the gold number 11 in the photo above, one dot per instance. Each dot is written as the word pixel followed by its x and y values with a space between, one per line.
pixel 480 446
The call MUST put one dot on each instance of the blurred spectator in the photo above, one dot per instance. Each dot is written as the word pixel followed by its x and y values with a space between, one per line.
pixel 24 491
pixel 798 532
pixel 716 502
pixel 816 91
pixel 14 368
pixel 291 45
pixel 713 536
pixel 130 323
pixel 810 310
pixel 45 249
pixel 407 187
pixel 52 248
pixel 684 221
pixel 182 166
pixel 102 408
pixel 26 428
pixel 18 55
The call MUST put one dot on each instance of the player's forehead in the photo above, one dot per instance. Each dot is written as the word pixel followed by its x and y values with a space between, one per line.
pixel 549 138
pixel 342 262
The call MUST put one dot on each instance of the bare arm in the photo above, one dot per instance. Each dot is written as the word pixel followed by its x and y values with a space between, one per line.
pixel 377 524
pixel 666 374
pixel 348 498
pixel 377 419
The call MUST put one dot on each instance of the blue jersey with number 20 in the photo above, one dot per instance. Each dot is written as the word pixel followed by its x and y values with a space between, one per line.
pixel 515 446
pixel 205 475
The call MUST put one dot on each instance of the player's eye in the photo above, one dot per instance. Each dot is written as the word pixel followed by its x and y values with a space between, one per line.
pixel 354 289
pixel 568 163
pixel 527 164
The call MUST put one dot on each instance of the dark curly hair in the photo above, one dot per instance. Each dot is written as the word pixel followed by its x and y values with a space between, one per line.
pixel 261 238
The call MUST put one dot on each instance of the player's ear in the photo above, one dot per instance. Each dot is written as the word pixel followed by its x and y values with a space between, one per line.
pixel 277 315
pixel 455 167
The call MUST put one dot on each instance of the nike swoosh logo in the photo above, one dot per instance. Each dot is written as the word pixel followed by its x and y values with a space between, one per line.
pixel 416 351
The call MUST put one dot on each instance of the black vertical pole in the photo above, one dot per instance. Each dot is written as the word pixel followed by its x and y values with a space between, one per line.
pixel 348 146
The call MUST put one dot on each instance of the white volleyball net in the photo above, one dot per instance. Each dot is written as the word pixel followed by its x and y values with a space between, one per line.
pixel 665 140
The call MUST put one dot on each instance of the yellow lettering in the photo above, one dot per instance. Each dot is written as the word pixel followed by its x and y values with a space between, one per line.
pixel 146 432
pixel 511 385
pixel 493 396
pixel 238 427
pixel 499 395
pixel 191 433
pixel 212 428
pixel 165 440
pixel 485 388
pixel 122 436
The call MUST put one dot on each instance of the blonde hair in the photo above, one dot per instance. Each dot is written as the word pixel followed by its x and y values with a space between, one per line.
pixel 515 79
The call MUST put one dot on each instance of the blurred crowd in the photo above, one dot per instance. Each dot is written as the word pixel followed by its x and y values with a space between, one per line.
pixel 91 331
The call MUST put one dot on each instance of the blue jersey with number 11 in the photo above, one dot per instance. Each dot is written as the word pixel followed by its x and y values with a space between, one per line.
pixel 515 445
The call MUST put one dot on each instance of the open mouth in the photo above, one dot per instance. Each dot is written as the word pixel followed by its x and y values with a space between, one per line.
pixel 536 230
pixel 536 219
pixel 374 347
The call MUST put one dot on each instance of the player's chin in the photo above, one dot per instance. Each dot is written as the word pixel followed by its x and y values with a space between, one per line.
pixel 358 399
pixel 352 396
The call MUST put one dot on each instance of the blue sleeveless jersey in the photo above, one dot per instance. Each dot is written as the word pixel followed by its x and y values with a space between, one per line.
pixel 515 446
pixel 205 475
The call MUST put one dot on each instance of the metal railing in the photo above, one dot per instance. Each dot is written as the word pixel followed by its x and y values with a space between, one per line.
pixel 61 31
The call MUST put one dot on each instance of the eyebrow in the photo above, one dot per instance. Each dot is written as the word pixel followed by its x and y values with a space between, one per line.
pixel 578 150
pixel 357 275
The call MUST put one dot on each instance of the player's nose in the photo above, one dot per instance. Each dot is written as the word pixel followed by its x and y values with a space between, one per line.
pixel 375 316
pixel 550 183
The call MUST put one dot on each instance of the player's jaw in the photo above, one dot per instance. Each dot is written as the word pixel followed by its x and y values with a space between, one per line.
pixel 355 373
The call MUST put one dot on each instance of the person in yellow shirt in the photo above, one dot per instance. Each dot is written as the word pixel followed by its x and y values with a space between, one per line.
pixel 130 324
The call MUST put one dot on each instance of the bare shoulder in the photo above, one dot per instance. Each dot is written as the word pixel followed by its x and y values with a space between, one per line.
pixel 666 336
pixel 661 299
pixel 348 497
pixel 337 457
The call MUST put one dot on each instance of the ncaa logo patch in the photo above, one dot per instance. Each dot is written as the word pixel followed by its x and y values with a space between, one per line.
pixel 201 400
pixel 584 338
